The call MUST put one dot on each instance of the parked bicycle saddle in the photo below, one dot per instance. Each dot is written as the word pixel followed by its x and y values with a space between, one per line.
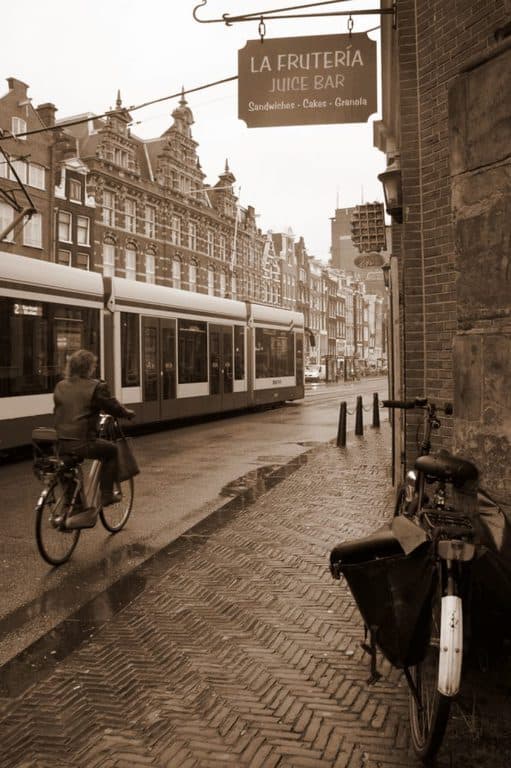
pixel 381 543
pixel 451 469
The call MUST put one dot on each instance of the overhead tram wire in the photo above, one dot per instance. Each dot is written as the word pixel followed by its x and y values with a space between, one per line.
pixel 80 121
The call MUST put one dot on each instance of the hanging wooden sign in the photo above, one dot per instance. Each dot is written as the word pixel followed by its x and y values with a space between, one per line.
pixel 307 80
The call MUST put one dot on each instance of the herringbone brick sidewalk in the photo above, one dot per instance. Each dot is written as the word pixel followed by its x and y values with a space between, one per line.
pixel 241 652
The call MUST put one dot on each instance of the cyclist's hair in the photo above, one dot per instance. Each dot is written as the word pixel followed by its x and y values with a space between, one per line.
pixel 81 363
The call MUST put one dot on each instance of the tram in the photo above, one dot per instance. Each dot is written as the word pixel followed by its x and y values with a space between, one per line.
pixel 166 353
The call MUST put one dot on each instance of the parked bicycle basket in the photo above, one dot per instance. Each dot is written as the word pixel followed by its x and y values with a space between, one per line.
pixel 43 449
pixel 393 592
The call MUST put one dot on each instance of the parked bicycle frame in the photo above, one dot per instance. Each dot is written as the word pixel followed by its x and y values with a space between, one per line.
pixel 437 496
pixel 70 488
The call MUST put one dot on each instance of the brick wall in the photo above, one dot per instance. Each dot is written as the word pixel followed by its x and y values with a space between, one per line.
pixel 435 41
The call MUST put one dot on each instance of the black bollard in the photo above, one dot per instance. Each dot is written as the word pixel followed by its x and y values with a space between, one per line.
pixel 376 410
pixel 359 419
pixel 341 431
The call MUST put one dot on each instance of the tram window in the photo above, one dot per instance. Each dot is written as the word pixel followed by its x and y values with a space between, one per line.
pixel 274 353
pixel 193 364
pixel 239 352
pixel 36 340
pixel 130 349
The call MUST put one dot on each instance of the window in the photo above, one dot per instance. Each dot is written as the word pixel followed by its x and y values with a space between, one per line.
pixel 192 235
pixel 234 287
pixel 130 211
pixel 64 227
pixel 131 264
pixel 176 273
pixel 221 247
pixel 150 219
pixel 4 168
pixel 83 261
pixel 121 157
pixel 150 269
pixel 6 217
pixel 21 169
pixel 192 277
pixel 222 284
pixel 75 190
pixel 211 243
pixel 175 230
pixel 211 282
pixel 82 230
pixel 274 353
pixel 18 126
pixel 108 208
pixel 108 259
pixel 36 339
pixel 33 231
pixel 130 350
pixel 36 176
pixel 64 257
pixel 192 340
pixel 239 352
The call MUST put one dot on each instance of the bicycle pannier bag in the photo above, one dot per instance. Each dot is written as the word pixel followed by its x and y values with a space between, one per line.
pixel 393 592
pixel 128 466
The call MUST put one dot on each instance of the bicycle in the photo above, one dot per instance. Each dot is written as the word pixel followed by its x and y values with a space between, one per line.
pixel 438 496
pixel 70 489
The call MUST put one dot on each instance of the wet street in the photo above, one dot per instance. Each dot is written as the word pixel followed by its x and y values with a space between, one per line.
pixel 187 473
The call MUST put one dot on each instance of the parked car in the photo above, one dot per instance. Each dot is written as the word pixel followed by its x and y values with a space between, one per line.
pixel 313 373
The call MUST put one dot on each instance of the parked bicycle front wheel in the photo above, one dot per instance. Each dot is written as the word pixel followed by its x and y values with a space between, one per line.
pixel 55 543
pixel 429 712
pixel 115 517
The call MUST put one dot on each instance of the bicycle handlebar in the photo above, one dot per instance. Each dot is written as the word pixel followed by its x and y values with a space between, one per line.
pixel 404 404
pixel 419 402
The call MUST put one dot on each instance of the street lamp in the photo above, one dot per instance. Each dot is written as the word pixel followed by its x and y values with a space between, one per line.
pixel 392 189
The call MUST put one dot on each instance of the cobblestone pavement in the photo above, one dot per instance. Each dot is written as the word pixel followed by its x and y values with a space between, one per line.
pixel 239 650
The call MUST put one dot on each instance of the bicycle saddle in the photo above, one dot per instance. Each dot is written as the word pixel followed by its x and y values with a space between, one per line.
pixel 451 469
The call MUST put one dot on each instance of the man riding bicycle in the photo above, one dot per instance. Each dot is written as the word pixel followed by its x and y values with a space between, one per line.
pixel 79 399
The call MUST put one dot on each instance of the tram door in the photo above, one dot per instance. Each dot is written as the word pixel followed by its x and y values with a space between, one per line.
pixel 159 367
pixel 221 370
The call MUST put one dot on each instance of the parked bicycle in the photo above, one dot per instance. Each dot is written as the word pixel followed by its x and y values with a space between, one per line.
pixel 411 581
pixel 438 495
pixel 69 489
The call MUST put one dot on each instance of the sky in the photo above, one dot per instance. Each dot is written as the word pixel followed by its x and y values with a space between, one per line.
pixel 77 54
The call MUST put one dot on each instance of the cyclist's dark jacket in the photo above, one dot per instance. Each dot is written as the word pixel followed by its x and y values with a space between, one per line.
pixel 78 403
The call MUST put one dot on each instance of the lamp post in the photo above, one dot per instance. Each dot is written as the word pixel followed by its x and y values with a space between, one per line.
pixel 392 189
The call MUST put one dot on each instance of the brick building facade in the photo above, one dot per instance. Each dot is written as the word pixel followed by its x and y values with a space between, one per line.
pixel 424 59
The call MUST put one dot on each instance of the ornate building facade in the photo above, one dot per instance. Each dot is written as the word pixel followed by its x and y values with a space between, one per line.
pixel 109 201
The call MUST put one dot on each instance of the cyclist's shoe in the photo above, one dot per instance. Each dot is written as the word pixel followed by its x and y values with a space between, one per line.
pixel 85 518
pixel 111 498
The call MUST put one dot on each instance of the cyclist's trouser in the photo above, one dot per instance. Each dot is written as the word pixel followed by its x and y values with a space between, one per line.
pixel 106 452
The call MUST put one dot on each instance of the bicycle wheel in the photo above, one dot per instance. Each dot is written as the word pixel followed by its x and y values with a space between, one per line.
pixel 55 543
pixel 429 715
pixel 116 516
